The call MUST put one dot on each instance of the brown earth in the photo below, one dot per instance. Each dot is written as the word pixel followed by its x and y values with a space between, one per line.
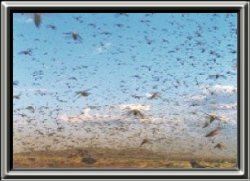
pixel 108 158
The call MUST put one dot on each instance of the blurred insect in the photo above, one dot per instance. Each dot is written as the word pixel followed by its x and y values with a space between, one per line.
pixel 31 109
pixel 214 132
pixel 88 160
pixel 216 76
pixel 212 118
pixel 220 146
pixel 136 96
pixel 144 141
pixel 16 96
pixel 83 93
pixel 195 164
pixel 136 113
pixel 74 35
pixel 153 95
pixel 26 52
pixel 15 83
pixel 37 19
pixel 32 159
pixel 53 27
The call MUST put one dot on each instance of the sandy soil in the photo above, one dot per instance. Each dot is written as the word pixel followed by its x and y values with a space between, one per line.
pixel 108 158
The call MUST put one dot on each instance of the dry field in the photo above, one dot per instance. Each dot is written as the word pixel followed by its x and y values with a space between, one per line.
pixel 108 158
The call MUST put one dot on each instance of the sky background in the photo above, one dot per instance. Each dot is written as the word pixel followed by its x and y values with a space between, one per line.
pixel 122 59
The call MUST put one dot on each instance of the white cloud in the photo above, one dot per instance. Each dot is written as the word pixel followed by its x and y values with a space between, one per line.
pixel 111 114
pixel 219 89
pixel 63 117
pixel 88 115
pixel 217 97
pixel 228 106
pixel 196 99
pixel 135 106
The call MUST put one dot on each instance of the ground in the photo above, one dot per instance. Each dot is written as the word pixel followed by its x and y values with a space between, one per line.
pixel 107 158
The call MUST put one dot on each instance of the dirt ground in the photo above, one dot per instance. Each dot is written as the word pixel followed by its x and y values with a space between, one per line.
pixel 108 158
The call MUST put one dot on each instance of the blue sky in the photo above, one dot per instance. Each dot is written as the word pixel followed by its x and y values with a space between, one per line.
pixel 53 44
pixel 122 56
